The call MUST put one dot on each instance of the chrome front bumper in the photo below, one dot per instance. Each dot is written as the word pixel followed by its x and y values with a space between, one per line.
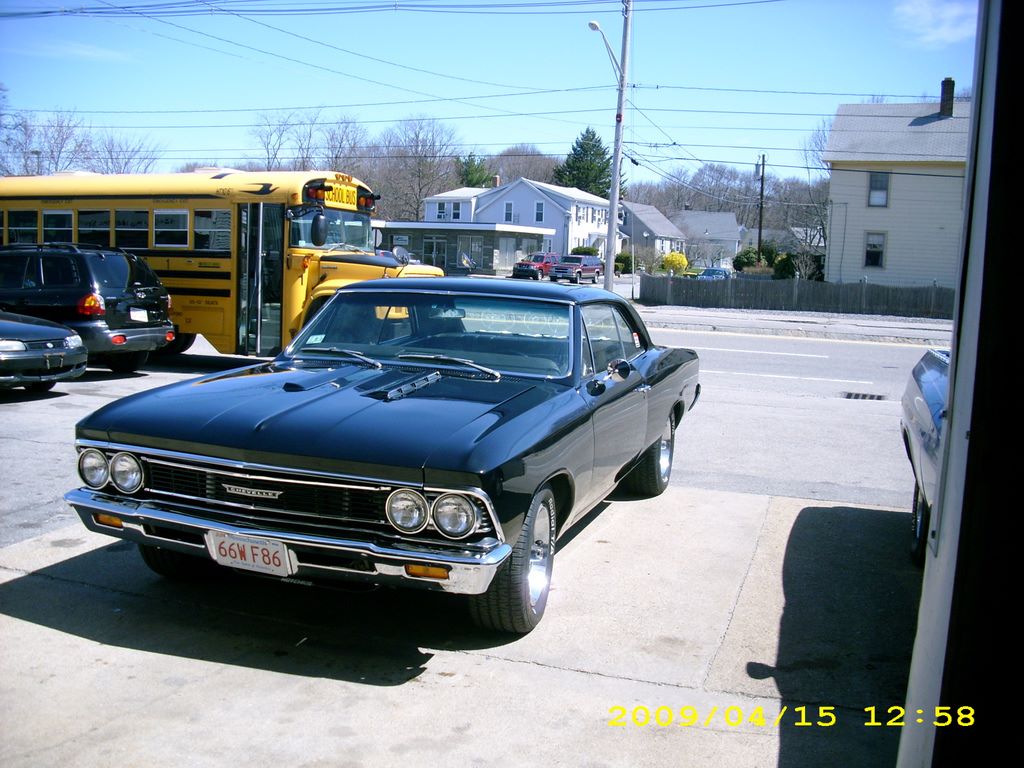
pixel 311 557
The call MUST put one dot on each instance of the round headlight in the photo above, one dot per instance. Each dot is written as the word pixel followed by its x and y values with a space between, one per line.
pixel 407 511
pixel 454 515
pixel 126 472
pixel 93 468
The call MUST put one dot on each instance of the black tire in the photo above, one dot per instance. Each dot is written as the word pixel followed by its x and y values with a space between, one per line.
pixel 597 276
pixel 650 477
pixel 176 565
pixel 126 362
pixel 40 386
pixel 920 520
pixel 182 342
pixel 577 278
pixel 512 604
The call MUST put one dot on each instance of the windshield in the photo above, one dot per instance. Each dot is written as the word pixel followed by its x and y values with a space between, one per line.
pixel 344 228
pixel 507 335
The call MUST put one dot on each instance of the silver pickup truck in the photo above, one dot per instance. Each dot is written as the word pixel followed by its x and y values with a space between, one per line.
pixel 922 425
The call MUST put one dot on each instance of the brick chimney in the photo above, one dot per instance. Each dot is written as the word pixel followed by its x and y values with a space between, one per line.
pixel 496 181
pixel 946 99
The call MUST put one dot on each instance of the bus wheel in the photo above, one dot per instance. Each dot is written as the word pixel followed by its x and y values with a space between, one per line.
pixel 182 341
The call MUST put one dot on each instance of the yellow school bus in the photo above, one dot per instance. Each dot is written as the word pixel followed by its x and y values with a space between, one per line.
pixel 245 255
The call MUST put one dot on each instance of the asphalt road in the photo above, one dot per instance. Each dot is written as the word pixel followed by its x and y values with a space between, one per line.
pixel 768 587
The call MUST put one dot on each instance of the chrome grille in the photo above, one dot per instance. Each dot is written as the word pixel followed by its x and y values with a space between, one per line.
pixel 280 501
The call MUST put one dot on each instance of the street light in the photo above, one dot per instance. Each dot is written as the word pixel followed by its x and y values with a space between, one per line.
pixel 621 71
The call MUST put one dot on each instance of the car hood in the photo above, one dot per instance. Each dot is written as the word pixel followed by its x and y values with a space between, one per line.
pixel 348 419
pixel 24 328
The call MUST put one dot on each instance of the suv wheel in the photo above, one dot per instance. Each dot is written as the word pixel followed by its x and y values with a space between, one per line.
pixel 597 276
pixel 126 362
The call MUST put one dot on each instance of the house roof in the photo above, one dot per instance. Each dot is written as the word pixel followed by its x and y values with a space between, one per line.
pixel 653 220
pixel 707 225
pixel 570 192
pixel 462 193
pixel 903 133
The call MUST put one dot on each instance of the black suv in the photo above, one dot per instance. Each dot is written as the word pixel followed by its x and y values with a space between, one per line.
pixel 111 297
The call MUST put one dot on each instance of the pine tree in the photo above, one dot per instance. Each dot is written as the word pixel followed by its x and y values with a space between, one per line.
pixel 473 172
pixel 588 166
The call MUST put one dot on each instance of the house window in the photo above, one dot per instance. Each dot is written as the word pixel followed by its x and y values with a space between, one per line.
pixel 878 190
pixel 456 211
pixel 874 252
pixel 442 211
pixel 538 212
pixel 508 213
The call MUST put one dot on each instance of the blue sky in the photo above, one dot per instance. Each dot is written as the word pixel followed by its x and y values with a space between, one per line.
pixel 713 80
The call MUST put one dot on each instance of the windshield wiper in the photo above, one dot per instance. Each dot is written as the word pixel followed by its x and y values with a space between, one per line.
pixel 347 352
pixel 460 361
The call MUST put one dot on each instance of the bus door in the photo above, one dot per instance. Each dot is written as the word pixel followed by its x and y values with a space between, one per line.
pixel 260 267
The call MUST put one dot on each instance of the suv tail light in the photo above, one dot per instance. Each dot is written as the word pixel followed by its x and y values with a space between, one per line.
pixel 92 304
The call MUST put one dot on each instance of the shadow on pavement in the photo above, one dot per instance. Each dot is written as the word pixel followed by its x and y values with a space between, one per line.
pixel 846 635
pixel 373 637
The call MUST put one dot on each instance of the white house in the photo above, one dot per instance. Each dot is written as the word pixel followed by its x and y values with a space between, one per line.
pixel 647 227
pixel 897 180
pixel 578 218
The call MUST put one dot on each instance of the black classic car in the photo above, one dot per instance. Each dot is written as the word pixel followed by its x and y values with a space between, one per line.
pixel 437 433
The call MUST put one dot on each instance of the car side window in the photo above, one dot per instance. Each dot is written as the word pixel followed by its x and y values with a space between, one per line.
pixel 587 368
pixel 610 334
pixel 14 272
pixel 59 270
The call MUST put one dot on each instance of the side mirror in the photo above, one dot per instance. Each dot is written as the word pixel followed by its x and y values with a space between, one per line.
pixel 318 230
pixel 618 370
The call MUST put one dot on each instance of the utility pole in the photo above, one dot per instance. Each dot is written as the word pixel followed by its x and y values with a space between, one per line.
pixel 760 213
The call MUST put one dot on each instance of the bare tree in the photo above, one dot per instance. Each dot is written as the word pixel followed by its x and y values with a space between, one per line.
pixel 345 147
pixel 417 160
pixel 524 161
pixel 117 153
pixel 60 143
pixel 306 138
pixel 272 134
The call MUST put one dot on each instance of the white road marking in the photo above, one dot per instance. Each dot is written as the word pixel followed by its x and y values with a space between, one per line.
pixel 781 376
pixel 757 352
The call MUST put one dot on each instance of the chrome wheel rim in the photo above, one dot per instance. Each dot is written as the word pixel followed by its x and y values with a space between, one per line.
pixel 539 573
pixel 665 453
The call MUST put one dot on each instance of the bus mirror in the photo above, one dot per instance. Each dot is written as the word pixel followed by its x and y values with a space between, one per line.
pixel 318 230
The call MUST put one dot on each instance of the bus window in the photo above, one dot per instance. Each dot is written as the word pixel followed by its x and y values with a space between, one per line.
pixel 131 229
pixel 22 227
pixel 170 228
pixel 57 227
pixel 343 228
pixel 94 228
pixel 212 230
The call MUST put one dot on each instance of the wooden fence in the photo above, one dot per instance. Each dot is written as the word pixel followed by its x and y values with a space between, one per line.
pixel 801 295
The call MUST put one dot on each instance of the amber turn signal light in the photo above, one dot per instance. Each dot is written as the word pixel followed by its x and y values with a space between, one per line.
pixel 426 571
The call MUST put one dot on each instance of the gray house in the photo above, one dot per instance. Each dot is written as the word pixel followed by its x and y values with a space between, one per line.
pixel 646 227
pixel 897 191
pixel 712 239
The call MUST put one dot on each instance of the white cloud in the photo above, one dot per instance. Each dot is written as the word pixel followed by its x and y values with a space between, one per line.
pixel 935 23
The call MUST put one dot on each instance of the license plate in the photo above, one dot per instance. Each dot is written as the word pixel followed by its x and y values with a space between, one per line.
pixel 139 315
pixel 249 553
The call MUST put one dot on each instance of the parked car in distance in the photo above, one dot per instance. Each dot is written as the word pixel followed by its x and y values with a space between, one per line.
pixel 922 424
pixel 714 273
pixel 36 354
pixel 535 266
pixel 576 269
pixel 437 433
pixel 110 297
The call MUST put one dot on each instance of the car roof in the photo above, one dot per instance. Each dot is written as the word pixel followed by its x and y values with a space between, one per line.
pixel 489 287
